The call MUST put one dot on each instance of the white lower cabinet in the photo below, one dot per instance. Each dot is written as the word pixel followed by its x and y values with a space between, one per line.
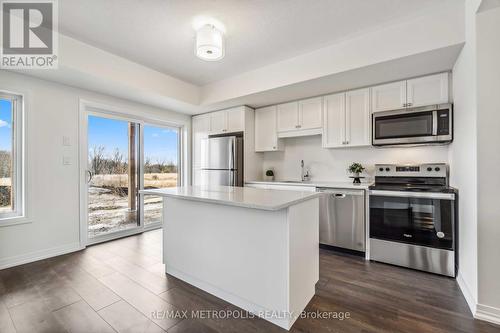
pixel 347 119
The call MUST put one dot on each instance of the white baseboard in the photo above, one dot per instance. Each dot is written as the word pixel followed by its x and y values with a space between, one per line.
pixel 38 255
pixel 469 297
pixel 488 313
pixel 285 322
pixel 479 311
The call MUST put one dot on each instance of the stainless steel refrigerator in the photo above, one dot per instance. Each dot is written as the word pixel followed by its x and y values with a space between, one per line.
pixel 222 161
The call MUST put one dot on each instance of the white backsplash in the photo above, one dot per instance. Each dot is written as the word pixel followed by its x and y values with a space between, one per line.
pixel 331 164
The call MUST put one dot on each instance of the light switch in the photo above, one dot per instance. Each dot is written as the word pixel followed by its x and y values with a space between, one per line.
pixel 67 160
pixel 66 141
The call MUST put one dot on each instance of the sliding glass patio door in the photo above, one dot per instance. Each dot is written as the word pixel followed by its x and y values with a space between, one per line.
pixel 123 157
pixel 113 173
pixel 160 167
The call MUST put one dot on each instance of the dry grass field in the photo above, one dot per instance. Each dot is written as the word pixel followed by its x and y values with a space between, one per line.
pixel 108 202
pixel 5 182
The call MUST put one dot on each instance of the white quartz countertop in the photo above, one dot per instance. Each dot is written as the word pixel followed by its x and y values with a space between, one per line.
pixel 265 199
pixel 328 184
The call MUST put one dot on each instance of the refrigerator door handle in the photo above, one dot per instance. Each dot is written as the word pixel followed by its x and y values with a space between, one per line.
pixel 231 178
pixel 231 154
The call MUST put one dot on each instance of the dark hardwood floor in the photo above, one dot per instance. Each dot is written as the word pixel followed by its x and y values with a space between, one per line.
pixel 120 286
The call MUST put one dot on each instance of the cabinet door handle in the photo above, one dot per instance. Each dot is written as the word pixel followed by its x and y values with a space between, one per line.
pixel 274 147
pixel 405 105
pixel 409 104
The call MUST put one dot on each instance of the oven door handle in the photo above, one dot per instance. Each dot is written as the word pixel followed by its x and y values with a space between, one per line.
pixel 421 195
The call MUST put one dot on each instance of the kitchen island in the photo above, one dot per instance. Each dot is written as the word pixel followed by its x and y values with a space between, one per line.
pixel 255 248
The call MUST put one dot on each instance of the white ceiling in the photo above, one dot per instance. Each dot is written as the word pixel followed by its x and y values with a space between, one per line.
pixel 159 33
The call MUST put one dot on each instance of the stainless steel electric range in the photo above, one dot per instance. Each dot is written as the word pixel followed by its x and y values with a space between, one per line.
pixel 413 215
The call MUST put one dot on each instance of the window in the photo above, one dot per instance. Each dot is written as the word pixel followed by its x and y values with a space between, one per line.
pixel 11 156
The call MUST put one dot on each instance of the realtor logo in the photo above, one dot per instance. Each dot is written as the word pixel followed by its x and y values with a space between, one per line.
pixel 29 34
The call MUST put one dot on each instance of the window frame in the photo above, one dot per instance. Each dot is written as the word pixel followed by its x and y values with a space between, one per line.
pixel 18 179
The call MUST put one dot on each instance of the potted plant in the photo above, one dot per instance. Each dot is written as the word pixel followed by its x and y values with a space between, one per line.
pixel 356 169
pixel 269 175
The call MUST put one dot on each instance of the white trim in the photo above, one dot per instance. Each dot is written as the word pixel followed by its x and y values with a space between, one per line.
pixel 39 255
pixel 124 113
pixel 18 157
pixel 468 295
pixel 488 313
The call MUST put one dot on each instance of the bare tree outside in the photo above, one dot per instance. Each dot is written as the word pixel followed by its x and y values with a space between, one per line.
pixel 113 164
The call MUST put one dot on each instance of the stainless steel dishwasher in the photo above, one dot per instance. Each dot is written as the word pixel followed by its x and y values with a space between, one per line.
pixel 342 218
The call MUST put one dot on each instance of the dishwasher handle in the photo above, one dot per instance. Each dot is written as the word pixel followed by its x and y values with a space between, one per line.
pixel 340 193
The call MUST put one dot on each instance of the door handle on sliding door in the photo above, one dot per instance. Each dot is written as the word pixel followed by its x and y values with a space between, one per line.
pixel 91 175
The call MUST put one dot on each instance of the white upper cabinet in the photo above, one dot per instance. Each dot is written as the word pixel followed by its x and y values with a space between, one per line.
pixel 227 121
pixel 357 115
pixel 288 116
pixel 347 119
pixel 218 123
pixel 266 136
pixel 389 96
pixel 428 90
pixel 300 118
pixel 422 91
pixel 310 113
pixel 236 119
pixel 334 120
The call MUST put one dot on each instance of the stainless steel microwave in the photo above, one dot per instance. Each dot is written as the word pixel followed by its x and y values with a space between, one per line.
pixel 422 125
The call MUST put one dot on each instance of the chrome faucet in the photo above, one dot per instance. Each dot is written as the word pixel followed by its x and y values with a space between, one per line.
pixel 304 174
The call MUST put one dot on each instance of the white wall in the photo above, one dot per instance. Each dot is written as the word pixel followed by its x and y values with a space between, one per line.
pixel 52 111
pixel 463 155
pixel 332 164
pixel 488 160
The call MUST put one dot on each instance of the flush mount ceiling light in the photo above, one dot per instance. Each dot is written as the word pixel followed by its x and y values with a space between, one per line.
pixel 209 43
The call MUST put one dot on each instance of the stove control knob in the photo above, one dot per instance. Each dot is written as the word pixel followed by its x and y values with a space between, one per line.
pixel 380 169
pixel 437 169
pixel 387 169
pixel 429 169
pixel 440 234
